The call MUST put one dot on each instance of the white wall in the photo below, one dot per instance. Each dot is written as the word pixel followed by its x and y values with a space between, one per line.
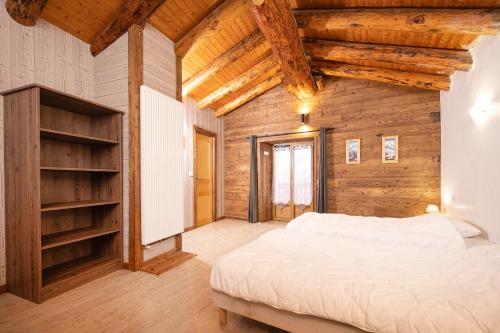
pixel 41 54
pixel 470 165
pixel 111 89
pixel 203 119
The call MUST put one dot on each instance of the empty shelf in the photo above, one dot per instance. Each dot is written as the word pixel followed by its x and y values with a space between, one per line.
pixel 75 267
pixel 73 138
pixel 79 170
pixel 76 204
pixel 72 236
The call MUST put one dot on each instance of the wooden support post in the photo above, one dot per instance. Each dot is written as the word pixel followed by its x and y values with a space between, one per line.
pixel 222 317
pixel 178 242
pixel 178 78
pixel 135 80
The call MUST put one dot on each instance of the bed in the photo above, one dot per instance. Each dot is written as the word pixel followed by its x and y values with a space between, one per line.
pixel 340 273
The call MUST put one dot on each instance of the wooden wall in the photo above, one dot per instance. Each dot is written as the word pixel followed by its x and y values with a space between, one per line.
pixel 356 109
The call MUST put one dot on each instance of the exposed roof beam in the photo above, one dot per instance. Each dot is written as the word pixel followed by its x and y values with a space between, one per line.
pixel 439 59
pixel 249 95
pixel 266 68
pixel 276 21
pixel 134 12
pixel 472 21
pixel 25 12
pixel 228 11
pixel 250 43
pixel 407 79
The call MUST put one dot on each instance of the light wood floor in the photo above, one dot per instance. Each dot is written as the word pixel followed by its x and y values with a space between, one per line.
pixel 177 301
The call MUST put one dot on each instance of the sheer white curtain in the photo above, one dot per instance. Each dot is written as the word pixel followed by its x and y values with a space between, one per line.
pixel 302 178
pixel 281 175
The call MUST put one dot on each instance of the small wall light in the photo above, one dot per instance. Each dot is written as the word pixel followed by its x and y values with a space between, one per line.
pixel 304 118
pixel 432 209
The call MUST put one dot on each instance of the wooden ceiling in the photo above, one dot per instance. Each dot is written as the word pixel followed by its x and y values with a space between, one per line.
pixel 227 60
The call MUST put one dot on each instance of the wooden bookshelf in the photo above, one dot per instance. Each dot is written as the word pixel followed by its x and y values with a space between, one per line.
pixel 63 189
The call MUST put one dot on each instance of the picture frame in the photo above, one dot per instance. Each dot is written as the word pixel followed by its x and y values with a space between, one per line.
pixel 390 149
pixel 353 151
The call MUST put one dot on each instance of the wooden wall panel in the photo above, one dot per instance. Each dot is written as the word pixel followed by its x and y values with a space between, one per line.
pixel 41 54
pixel 159 62
pixel 356 109
pixel 111 89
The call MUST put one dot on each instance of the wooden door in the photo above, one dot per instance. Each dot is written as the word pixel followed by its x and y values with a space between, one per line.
pixel 204 177
pixel 295 208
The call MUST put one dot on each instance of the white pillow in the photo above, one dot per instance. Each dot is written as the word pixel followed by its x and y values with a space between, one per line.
pixel 465 229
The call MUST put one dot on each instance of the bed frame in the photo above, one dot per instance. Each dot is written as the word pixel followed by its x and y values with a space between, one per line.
pixel 284 320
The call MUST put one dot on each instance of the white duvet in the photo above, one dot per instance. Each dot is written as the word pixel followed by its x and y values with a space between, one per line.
pixel 381 275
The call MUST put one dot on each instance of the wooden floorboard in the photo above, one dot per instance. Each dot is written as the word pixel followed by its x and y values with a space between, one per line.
pixel 180 300
pixel 165 262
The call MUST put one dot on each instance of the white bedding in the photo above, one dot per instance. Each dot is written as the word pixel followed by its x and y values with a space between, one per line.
pixel 377 283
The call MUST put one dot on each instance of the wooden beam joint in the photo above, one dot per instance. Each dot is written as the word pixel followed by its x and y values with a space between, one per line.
pixel 25 12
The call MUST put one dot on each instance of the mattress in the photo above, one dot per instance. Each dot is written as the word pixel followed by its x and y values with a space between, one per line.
pixel 387 282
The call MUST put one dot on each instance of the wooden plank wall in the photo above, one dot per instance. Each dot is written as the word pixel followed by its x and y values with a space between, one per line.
pixel 43 54
pixel 356 109
pixel 159 61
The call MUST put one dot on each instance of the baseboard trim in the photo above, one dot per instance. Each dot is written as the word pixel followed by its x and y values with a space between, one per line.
pixel 220 218
pixel 190 228
pixel 3 289
pixel 125 265
pixel 236 218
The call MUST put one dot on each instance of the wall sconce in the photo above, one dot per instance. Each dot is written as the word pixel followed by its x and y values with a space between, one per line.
pixel 432 209
pixel 304 118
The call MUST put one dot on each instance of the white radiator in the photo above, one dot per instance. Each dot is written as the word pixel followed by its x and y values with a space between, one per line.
pixel 162 123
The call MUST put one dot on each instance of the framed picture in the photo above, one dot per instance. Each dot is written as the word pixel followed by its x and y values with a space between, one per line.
pixel 390 149
pixel 353 151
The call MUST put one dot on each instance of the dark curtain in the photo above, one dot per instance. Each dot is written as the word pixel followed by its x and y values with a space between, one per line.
pixel 252 198
pixel 322 197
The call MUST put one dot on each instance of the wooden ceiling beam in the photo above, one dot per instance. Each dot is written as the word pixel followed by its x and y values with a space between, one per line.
pixel 25 12
pixel 407 79
pixel 440 59
pixel 250 43
pixel 223 15
pixel 276 21
pixel 266 68
pixel 134 12
pixel 256 91
pixel 468 21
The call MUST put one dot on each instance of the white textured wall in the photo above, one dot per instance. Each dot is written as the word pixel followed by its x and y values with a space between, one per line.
pixel 42 54
pixel 111 89
pixel 470 176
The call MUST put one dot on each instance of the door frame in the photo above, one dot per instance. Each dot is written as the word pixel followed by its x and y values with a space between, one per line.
pixel 265 211
pixel 198 130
